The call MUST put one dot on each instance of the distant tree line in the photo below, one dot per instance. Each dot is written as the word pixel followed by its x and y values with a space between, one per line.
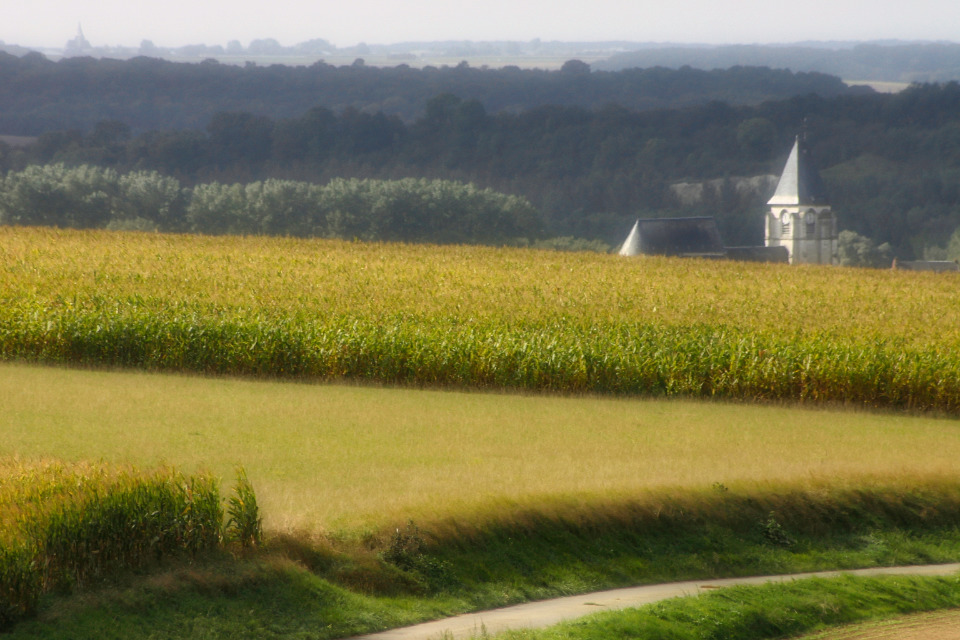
pixel 408 210
pixel 893 62
pixel 38 95
pixel 891 162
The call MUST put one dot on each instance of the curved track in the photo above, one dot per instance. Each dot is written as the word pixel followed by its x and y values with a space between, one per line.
pixel 547 612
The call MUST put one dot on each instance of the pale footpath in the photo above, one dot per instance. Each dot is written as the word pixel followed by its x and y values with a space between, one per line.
pixel 534 615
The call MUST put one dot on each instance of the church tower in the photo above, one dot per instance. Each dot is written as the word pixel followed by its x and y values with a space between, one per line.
pixel 799 217
pixel 79 45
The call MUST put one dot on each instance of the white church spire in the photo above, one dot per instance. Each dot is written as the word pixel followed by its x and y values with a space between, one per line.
pixel 799 217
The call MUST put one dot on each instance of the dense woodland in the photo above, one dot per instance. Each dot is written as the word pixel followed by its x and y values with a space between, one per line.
pixel 38 95
pixel 891 162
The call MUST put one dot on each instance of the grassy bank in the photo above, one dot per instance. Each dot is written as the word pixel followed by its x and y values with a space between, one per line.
pixel 75 525
pixel 481 318
pixel 764 612
pixel 327 588
pixel 513 498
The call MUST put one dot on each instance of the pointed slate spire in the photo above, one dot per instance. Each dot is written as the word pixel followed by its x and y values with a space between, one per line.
pixel 800 184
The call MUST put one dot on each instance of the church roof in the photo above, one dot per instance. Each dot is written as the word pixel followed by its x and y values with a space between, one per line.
pixel 674 237
pixel 800 184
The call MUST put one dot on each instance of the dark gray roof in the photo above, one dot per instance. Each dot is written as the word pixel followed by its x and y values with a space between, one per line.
pixel 800 184
pixel 927 265
pixel 674 237
pixel 758 254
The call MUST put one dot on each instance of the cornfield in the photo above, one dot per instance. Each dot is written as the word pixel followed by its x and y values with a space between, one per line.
pixel 65 525
pixel 481 318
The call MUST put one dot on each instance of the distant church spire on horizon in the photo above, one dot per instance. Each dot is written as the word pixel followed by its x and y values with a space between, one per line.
pixel 79 45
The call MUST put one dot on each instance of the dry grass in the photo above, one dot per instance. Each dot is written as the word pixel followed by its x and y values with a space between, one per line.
pixel 344 456
pixel 936 625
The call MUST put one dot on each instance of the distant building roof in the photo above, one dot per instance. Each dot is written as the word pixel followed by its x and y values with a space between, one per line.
pixel 799 184
pixel 674 237
pixel 758 254
pixel 927 265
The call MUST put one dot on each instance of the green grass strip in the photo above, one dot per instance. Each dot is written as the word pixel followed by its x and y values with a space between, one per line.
pixel 762 612
pixel 304 588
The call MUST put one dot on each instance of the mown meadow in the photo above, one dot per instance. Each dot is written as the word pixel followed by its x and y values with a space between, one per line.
pixel 512 497
pixel 601 458
pixel 481 318
pixel 347 457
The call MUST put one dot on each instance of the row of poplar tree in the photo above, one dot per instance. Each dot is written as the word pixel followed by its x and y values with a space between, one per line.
pixel 405 210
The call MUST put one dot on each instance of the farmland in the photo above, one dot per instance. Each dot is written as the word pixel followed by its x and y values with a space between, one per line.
pixel 481 318
pixel 617 440
pixel 519 496
pixel 69 525
pixel 332 457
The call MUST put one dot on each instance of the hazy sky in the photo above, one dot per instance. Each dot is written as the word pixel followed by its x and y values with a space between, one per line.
pixel 42 23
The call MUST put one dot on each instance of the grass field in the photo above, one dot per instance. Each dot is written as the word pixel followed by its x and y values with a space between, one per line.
pixel 783 611
pixel 332 455
pixel 520 494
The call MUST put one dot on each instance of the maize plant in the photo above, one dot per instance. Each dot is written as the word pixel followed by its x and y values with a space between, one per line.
pixel 74 524
pixel 480 317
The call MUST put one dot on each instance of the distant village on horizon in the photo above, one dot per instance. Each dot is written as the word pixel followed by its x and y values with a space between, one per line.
pixel 902 61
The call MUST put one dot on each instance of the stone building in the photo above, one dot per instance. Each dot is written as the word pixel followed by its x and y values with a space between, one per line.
pixel 800 225
pixel 691 238
pixel 800 218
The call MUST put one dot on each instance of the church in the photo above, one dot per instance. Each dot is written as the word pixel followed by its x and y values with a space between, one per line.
pixel 799 217
pixel 800 225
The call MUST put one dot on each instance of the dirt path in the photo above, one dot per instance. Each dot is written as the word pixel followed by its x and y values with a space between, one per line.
pixel 547 612
pixel 936 625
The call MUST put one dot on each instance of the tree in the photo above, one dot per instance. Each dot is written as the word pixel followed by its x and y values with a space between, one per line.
pixel 757 137
pixel 149 196
pixel 953 247
pixel 219 209
pixel 284 207
pixel 81 197
pixel 265 46
pixel 309 138
pixel 240 139
pixel 859 251
pixel 575 67
pixel 182 153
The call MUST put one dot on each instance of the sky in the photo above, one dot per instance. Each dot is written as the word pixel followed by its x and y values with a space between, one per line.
pixel 170 23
